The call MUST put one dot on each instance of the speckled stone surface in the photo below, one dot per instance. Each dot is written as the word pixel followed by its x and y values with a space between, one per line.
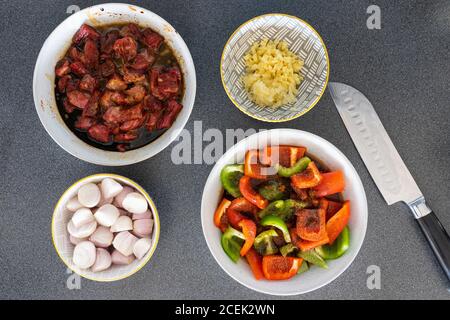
pixel 402 68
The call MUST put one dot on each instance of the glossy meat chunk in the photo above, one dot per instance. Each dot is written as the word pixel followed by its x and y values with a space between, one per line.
pixel 131 30
pixel 62 68
pixel 129 97
pixel 105 100
pixel 170 114
pixel 132 76
pixel 152 104
pixel 92 107
pixel 132 124
pixel 152 39
pixel 165 84
pixel 78 99
pixel 126 137
pixel 116 83
pixel 84 123
pixel 107 68
pixel 88 83
pixel 85 32
pixel 63 82
pixel 91 54
pixel 68 107
pixel 142 61
pixel 125 48
pixel 123 114
pixel 78 68
pixel 100 133
pixel 107 41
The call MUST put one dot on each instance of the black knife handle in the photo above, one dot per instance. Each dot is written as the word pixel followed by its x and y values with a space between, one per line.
pixel 438 239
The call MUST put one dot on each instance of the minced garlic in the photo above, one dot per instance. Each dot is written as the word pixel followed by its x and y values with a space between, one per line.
pixel 272 73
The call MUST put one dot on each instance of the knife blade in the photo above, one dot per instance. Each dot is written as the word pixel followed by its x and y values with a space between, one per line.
pixel 386 167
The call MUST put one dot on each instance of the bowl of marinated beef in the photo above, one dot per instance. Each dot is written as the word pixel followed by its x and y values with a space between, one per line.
pixel 114 84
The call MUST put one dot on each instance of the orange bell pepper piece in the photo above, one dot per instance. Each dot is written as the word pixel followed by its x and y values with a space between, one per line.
pixel 309 178
pixel 311 224
pixel 221 209
pixel 338 222
pixel 279 267
pixel 305 245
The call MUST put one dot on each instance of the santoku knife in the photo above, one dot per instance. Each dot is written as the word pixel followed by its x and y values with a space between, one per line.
pixel 386 167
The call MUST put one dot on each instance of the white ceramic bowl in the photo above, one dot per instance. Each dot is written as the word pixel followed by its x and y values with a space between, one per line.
pixel 64 248
pixel 334 160
pixel 54 49
pixel 302 40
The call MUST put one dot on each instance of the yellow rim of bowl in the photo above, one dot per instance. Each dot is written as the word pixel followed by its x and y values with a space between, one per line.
pixel 314 102
pixel 154 211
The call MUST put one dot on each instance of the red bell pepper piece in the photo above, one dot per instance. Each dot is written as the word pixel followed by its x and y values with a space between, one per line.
pixel 252 168
pixel 333 207
pixel 251 195
pixel 255 262
pixel 332 182
pixel 249 231
pixel 236 208
pixel 323 204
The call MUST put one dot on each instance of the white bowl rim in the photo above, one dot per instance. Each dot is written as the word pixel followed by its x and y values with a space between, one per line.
pixel 358 182
pixel 109 158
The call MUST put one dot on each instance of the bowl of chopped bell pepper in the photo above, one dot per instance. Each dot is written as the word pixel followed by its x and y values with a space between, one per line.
pixel 284 212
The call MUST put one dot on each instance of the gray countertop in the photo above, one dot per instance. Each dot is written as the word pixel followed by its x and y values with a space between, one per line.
pixel 402 68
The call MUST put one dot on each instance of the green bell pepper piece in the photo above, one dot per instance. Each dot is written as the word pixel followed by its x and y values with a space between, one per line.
pixel 230 176
pixel 264 243
pixel 232 241
pixel 298 167
pixel 276 222
pixel 338 248
pixel 283 208
pixel 313 257
pixel 275 208
pixel 287 249
pixel 303 268
pixel 274 190
pixel 291 205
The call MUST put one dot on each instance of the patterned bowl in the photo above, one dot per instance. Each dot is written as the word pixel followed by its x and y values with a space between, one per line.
pixel 302 39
